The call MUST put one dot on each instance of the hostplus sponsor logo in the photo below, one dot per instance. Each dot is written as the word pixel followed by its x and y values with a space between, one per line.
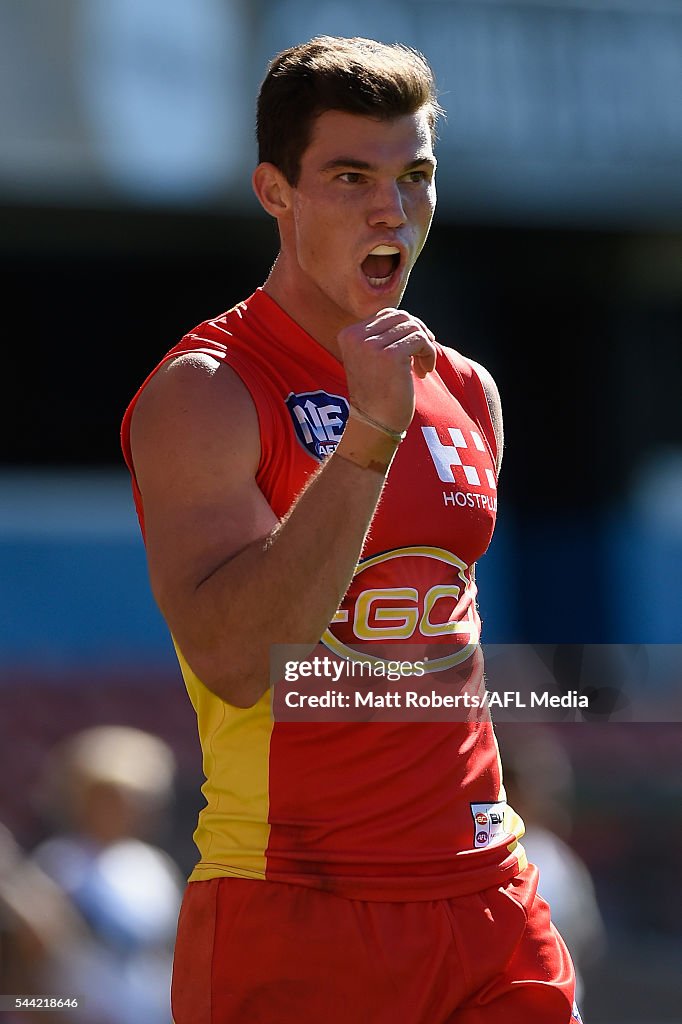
pixel 453 467
pixel 319 420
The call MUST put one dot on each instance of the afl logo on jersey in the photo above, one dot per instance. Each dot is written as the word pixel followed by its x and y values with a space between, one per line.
pixel 319 420
pixel 489 822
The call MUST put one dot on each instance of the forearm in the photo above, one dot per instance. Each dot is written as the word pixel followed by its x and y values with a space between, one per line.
pixel 286 587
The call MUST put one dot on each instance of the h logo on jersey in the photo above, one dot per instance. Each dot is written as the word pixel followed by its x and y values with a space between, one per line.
pixel 319 420
pixel 446 456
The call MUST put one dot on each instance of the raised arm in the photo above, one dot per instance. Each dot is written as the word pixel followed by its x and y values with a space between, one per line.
pixel 229 578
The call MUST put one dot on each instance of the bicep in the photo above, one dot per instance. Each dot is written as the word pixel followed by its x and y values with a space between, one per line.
pixel 195 444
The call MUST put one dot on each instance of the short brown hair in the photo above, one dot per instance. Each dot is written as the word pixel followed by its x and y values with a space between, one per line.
pixel 358 76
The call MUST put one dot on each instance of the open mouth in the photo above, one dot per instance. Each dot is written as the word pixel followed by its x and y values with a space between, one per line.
pixel 381 264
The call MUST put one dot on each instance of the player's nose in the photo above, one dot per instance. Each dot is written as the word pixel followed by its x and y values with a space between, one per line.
pixel 387 206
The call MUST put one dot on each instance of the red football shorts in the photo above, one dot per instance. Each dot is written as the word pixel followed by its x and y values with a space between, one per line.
pixel 251 952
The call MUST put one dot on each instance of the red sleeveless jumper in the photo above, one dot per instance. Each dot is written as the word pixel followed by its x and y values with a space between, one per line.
pixel 382 810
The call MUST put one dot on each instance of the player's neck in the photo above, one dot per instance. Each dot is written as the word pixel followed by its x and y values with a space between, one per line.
pixel 306 305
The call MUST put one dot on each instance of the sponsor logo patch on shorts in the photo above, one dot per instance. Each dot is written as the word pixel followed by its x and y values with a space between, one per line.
pixel 488 822
pixel 319 420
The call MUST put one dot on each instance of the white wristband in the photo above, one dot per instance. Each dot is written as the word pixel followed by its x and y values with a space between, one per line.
pixel 394 435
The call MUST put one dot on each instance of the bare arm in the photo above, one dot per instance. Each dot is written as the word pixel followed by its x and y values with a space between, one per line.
pixel 229 578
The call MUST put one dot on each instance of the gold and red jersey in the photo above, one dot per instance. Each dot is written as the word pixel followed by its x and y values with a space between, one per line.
pixel 376 810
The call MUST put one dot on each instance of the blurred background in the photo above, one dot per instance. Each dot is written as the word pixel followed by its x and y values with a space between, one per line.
pixel 126 217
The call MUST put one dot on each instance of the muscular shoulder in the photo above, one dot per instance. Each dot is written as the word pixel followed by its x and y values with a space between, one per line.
pixel 193 410
pixel 187 372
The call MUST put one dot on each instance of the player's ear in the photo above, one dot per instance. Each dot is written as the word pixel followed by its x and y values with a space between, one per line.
pixel 272 189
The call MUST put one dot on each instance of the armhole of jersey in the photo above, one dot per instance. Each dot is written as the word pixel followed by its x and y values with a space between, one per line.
pixel 260 396
pixel 474 392
pixel 128 417
pixel 125 440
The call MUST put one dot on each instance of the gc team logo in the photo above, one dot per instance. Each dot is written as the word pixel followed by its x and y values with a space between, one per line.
pixel 432 584
pixel 319 420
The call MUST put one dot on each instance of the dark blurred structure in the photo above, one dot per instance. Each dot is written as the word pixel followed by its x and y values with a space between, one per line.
pixel 555 259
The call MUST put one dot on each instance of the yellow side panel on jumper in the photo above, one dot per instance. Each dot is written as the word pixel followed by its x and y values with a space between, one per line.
pixel 233 831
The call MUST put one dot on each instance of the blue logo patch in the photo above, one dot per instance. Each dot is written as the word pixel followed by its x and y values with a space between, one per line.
pixel 319 420
pixel 575 1017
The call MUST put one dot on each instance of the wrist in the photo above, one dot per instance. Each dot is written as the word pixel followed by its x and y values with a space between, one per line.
pixel 367 445
pixel 359 414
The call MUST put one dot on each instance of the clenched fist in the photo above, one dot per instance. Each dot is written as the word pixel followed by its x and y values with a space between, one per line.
pixel 379 356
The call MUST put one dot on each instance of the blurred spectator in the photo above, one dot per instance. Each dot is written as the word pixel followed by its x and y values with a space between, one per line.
pixel 40 931
pixel 107 790
pixel 538 778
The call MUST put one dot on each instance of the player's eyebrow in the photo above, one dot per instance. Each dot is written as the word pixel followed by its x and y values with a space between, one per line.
pixel 353 163
pixel 421 161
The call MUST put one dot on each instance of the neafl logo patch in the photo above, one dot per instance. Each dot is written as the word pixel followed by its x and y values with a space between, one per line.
pixel 319 420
